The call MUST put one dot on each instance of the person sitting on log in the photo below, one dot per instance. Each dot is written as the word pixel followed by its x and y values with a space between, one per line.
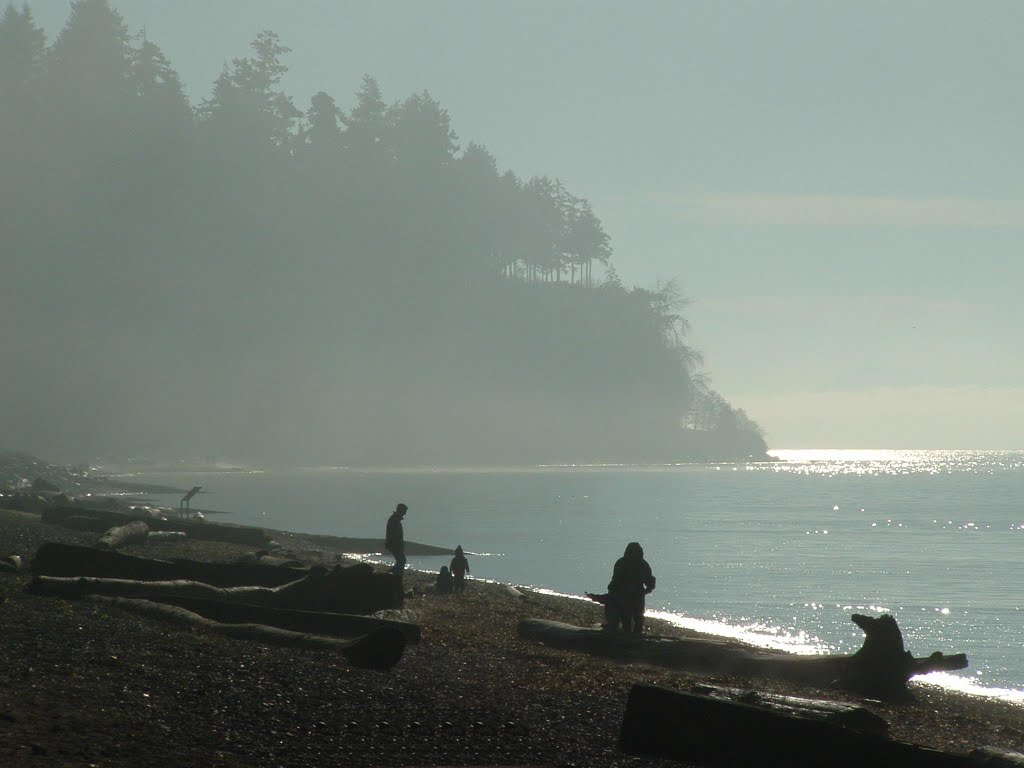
pixel 443 583
pixel 459 569
pixel 632 580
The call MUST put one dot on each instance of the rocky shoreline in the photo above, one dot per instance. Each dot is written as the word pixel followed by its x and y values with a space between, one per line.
pixel 90 684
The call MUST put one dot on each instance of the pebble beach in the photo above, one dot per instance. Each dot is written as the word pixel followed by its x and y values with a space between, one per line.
pixel 88 684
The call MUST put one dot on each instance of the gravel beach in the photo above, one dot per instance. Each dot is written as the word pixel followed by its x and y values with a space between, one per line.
pixel 85 684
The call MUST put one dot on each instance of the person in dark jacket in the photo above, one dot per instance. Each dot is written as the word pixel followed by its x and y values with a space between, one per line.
pixel 394 540
pixel 460 567
pixel 631 581
pixel 443 582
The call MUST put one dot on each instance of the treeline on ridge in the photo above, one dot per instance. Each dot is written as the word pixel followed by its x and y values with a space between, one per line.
pixel 245 278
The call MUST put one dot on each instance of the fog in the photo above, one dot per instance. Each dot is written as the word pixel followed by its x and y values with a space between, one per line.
pixel 251 279
pixel 445 233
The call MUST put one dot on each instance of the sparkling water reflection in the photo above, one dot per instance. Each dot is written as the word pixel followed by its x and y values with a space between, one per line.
pixel 779 553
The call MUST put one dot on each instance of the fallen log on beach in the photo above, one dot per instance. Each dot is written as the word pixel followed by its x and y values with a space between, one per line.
pixel 840 713
pixel 380 649
pixel 356 589
pixel 714 731
pixel 55 559
pixel 99 520
pixel 881 668
pixel 309 622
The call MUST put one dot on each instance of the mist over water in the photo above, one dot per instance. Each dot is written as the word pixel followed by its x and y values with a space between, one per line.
pixel 775 553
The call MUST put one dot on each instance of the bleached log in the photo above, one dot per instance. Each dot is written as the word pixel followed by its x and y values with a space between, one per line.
pixel 122 535
pixel 205 531
pixel 311 622
pixel 356 589
pixel 380 649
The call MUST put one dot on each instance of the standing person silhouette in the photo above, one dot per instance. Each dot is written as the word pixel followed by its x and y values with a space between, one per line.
pixel 459 568
pixel 631 581
pixel 394 541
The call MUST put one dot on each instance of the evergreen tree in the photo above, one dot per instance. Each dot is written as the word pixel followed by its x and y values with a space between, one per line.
pixel 89 63
pixel 322 131
pixel 366 126
pixel 422 138
pixel 316 276
pixel 246 105
pixel 22 51
pixel 159 94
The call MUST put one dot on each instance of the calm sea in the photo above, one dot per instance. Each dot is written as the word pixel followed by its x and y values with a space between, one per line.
pixel 776 553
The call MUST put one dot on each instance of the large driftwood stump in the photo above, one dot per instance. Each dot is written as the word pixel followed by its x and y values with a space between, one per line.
pixel 882 668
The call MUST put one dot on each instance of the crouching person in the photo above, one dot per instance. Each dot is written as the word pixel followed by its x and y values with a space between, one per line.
pixel 632 580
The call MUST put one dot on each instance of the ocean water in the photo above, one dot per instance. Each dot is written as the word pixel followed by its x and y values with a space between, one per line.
pixel 778 553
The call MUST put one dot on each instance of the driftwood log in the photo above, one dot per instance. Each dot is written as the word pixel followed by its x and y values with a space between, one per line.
pixel 309 622
pixel 134 532
pixel 839 713
pixel 715 731
pixel 105 518
pixel 379 649
pixel 55 559
pixel 356 589
pixel 881 668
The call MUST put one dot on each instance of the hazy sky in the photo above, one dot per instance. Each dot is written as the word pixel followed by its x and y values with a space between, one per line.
pixel 838 187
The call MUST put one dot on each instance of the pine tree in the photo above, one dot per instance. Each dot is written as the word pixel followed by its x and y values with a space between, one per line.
pixel 366 126
pixel 89 64
pixel 22 51
pixel 245 100
pixel 422 136
pixel 160 95
pixel 322 132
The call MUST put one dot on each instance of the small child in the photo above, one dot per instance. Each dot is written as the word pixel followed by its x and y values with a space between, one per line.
pixel 443 583
pixel 460 567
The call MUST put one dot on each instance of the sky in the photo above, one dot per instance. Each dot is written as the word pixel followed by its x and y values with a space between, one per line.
pixel 837 188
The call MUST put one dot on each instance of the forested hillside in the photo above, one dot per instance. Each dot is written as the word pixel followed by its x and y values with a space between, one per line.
pixel 332 283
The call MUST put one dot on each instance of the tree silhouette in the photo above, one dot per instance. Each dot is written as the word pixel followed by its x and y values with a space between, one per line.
pixel 348 285
pixel 22 51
